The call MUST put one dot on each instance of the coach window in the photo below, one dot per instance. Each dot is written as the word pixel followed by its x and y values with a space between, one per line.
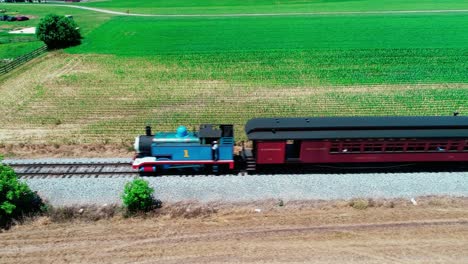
pixel 335 147
pixel 395 147
pixel 453 146
pixel 373 147
pixel 416 146
pixel 437 146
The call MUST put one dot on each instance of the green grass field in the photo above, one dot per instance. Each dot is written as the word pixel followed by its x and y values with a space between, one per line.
pixel 297 49
pixel 271 6
pixel 167 71
pixel 16 49
pixel 154 36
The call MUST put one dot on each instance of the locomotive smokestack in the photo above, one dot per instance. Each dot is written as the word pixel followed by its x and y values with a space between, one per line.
pixel 148 131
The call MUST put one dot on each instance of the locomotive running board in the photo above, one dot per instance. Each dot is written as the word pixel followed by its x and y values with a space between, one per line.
pixel 145 162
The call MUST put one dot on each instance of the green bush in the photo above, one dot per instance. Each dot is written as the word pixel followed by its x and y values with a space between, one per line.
pixel 16 199
pixel 138 196
pixel 58 32
pixel 359 204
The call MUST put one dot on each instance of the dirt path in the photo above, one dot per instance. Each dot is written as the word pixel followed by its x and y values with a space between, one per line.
pixel 435 232
pixel 265 14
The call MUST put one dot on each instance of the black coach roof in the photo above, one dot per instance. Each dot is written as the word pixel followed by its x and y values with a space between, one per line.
pixel 357 127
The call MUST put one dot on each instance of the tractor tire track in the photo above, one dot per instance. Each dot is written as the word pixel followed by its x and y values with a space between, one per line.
pixel 258 232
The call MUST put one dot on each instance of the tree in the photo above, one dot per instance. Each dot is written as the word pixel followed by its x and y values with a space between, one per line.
pixel 16 199
pixel 58 32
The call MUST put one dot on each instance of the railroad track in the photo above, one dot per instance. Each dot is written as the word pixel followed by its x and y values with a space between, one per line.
pixel 114 168
pixel 67 168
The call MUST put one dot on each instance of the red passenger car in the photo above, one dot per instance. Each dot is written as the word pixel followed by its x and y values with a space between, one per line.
pixel 358 140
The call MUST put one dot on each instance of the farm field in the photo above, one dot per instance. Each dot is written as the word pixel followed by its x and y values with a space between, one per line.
pixel 89 98
pixel 394 32
pixel 167 71
pixel 270 6
pixel 432 232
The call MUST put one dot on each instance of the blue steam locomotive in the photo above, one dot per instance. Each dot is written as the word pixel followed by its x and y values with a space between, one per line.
pixel 209 148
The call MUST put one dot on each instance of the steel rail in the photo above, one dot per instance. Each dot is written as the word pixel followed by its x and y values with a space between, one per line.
pixel 70 169
pixel 123 169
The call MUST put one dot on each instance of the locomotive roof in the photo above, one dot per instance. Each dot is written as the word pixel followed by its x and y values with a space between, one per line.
pixel 357 127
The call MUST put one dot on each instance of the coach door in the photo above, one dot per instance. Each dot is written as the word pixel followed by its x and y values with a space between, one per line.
pixel 293 150
pixel 270 152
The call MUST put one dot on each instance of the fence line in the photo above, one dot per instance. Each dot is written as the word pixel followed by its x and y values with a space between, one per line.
pixel 21 60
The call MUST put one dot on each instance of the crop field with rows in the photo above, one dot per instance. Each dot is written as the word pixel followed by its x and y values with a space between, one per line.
pixel 167 71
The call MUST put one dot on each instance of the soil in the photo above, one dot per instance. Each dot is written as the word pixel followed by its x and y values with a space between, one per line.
pixel 92 150
pixel 95 150
pixel 29 30
pixel 434 231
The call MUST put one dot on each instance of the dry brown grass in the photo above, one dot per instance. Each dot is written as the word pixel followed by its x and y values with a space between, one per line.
pixel 50 150
pixel 78 213
pixel 300 231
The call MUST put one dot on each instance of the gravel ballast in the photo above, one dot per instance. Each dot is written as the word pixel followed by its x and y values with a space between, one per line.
pixel 70 161
pixel 233 188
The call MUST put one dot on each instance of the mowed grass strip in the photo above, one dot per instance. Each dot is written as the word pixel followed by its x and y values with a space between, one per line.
pixel 270 6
